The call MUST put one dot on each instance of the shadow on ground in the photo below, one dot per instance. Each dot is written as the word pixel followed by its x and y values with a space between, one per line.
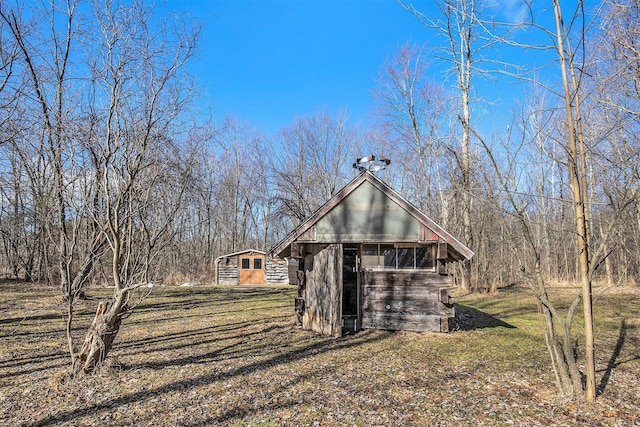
pixel 274 358
pixel 613 361
pixel 470 319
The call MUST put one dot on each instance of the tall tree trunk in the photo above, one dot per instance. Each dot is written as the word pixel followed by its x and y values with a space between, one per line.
pixel 578 183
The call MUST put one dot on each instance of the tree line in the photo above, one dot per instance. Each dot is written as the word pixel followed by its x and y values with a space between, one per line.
pixel 109 174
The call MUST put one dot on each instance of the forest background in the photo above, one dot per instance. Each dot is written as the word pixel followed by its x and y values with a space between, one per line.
pixel 209 187
pixel 218 185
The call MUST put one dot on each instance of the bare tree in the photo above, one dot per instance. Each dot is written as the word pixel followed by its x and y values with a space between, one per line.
pixel 614 106
pixel 238 160
pixel 317 152
pixel 44 55
pixel 521 234
pixel 571 76
pixel 107 125
pixel 136 67
pixel 415 114
pixel 466 37
pixel 8 84
pixel 22 229
pixel 579 145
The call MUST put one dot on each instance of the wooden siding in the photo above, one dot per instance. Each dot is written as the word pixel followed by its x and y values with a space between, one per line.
pixel 276 271
pixel 322 290
pixel 409 300
pixel 228 271
pixel 293 272
pixel 426 234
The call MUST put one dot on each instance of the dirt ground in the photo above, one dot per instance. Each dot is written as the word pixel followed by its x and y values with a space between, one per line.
pixel 210 355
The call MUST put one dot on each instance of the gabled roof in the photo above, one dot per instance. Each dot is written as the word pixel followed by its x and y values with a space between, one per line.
pixel 243 252
pixel 324 221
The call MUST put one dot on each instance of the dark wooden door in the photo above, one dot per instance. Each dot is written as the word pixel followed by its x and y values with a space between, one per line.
pixel 350 291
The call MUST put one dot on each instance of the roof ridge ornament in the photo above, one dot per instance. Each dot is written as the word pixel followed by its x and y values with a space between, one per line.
pixel 371 163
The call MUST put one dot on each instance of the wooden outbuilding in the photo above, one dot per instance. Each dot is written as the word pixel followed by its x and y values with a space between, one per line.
pixel 250 267
pixel 370 259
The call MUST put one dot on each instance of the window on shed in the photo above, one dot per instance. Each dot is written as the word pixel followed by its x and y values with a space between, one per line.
pixel 406 257
pixel 257 263
pixel 370 256
pixel 388 254
pixel 424 256
pixel 400 255
pixel 246 265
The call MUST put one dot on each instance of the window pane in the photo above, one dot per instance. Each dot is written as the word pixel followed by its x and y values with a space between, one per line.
pixel 405 257
pixel 245 263
pixel 369 256
pixel 388 253
pixel 424 257
pixel 369 249
pixel 257 263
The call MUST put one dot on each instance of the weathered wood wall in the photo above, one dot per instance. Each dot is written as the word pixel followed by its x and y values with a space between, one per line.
pixel 322 290
pixel 293 272
pixel 228 271
pixel 276 271
pixel 406 300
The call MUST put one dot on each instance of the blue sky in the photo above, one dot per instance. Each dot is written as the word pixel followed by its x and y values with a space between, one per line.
pixel 267 61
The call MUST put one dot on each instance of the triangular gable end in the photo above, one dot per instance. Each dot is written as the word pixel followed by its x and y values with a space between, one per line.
pixel 368 210
pixel 367 214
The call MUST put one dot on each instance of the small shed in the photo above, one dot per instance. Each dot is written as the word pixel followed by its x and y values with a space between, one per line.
pixel 250 267
pixel 370 259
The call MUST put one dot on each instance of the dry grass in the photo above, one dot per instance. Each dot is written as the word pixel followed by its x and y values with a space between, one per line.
pixel 232 356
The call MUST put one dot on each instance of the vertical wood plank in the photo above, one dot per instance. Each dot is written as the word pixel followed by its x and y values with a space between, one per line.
pixel 322 291
pixel 443 250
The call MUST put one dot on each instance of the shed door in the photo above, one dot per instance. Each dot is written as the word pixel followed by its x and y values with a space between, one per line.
pixel 350 290
pixel 322 292
pixel 251 270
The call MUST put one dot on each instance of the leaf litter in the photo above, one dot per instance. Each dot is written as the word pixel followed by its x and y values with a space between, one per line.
pixel 213 355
